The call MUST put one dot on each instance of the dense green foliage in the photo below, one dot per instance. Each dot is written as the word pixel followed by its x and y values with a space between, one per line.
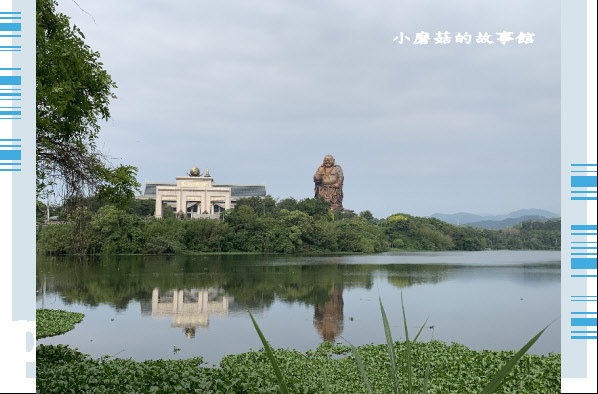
pixel 453 368
pixel 531 234
pixel 288 226
pixel 51 322
pixel 417 233
pixel 270 229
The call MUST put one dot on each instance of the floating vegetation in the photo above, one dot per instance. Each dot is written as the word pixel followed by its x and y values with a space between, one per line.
pixel 51 322
pixel 453 369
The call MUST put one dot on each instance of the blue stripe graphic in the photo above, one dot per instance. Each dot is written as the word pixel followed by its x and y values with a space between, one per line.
pixel 584 227
pixel 584 181
pixel 10 80
pixel 10 27
pixel 583 321
pixel 580 264
pixel 10 155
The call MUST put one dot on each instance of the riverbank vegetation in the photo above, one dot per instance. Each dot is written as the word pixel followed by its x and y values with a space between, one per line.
pixel 267 226
pixel 287 226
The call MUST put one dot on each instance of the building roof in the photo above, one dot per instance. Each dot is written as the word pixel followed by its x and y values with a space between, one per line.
pixel 237 191
pixel 244 190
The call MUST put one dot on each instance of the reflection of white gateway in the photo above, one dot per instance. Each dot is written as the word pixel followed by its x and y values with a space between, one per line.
pixel 189 308
pixel 197 196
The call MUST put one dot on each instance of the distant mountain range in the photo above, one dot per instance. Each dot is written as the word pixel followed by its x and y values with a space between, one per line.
pixel 495 221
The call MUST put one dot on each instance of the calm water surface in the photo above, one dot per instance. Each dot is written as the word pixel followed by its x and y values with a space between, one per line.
pixel 144 307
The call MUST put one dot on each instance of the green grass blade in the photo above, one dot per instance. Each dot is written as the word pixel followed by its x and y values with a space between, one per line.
pixel 420 331
pixel 496 382
pixel 408 346
pixel 357 356
pixel 391 349
pixel 282 385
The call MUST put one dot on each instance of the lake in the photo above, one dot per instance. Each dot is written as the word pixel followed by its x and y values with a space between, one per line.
pixel 149 307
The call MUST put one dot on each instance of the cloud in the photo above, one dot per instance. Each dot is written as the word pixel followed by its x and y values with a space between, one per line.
pixel 261 91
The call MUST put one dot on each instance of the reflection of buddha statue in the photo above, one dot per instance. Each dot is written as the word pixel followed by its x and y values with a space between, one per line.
pixel 328 318
pixel 329 183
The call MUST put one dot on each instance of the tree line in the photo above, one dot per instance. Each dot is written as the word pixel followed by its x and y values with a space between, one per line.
pixel 268 226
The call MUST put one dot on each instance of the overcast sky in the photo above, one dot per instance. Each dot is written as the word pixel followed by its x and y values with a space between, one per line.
pixel 261 91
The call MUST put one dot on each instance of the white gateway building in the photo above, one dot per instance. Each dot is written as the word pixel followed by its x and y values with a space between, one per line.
pixel 198 196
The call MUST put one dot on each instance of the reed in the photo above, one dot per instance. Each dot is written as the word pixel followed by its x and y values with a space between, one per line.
pixel 281 384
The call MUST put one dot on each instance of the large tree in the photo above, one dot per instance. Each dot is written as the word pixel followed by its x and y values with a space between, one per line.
pixel 73 96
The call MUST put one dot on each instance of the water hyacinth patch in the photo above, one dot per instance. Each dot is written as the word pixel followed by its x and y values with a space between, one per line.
pixel 51 322
pixel 453 369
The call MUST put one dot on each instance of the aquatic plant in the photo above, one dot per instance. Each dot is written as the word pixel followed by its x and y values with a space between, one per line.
pixel 51 322
pixel 453 369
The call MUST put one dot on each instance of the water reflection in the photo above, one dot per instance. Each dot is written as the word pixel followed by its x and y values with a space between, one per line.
pixel 328 318
pixel 298 301
pixel 189 309
pixel 122 279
